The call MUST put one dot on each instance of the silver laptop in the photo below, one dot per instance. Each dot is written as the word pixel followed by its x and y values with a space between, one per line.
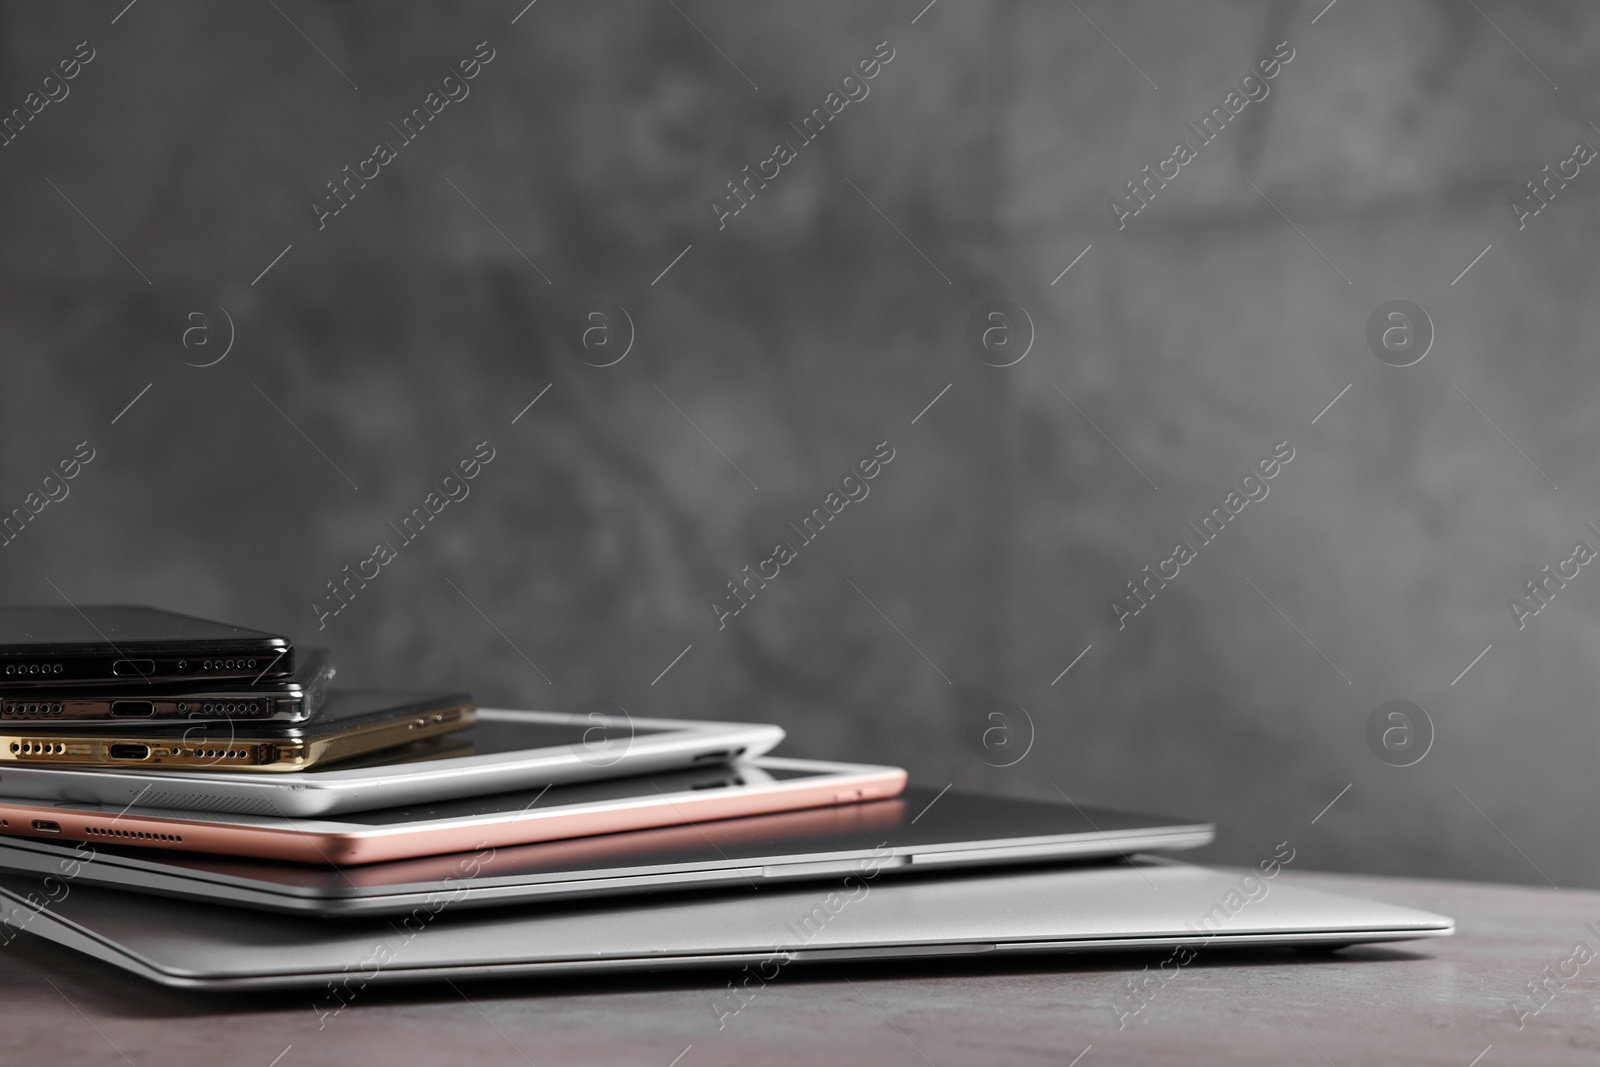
pixel 1145 904
pixel 918 831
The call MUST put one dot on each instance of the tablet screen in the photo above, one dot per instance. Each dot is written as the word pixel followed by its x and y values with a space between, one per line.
pixel 543 799
pixel 496 735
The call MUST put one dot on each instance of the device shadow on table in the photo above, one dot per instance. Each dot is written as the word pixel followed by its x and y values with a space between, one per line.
pixel 105 989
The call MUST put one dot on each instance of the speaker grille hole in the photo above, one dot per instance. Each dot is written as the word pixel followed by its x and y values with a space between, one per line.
pixel 31 709
pixel 130 835
pixel 38 748
pixel 32 669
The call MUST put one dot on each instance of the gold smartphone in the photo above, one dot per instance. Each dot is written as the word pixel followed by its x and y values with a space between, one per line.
pixel 351 723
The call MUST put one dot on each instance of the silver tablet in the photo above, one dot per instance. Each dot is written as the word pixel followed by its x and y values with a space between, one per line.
pixel 918 831
pixel 1146 905
pixel 503 751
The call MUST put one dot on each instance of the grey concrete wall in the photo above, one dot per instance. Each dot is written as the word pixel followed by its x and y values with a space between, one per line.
pixel 782 347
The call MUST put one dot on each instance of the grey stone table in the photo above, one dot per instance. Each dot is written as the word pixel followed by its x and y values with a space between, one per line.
pixel 1444 1001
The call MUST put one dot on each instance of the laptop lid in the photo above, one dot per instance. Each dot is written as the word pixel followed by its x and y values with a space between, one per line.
pixel 1146 904
pixel 922 829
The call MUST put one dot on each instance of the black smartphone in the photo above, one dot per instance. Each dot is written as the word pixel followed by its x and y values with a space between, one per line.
pixel 202 700
pixel 131 644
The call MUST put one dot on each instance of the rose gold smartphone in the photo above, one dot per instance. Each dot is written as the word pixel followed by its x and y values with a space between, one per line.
pixel 676 798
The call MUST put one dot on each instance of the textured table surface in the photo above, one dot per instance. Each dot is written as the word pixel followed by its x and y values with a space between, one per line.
pixel 1442 1001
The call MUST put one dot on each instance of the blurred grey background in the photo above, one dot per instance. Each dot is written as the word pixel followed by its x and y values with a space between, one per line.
pixel 776 352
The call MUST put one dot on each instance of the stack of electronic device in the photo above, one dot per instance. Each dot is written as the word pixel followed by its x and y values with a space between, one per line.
pixel 125 686
pixel 195 803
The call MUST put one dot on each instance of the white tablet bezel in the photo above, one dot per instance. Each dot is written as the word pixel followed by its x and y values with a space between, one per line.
pixel 679 743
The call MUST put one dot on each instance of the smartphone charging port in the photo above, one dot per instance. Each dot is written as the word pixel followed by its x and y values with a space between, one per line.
pixel 45 826
pixel 718 756
pixel 142 667
pixel 132 709
pixel 130 751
